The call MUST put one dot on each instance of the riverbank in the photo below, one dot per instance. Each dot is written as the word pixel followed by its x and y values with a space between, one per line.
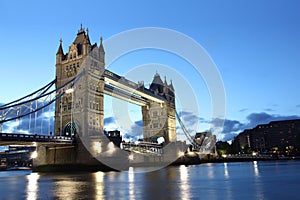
pixel 196 159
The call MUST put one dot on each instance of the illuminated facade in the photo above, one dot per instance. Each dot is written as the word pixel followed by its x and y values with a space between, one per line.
pixel 277 136
pixel 67 67
pixel 159 119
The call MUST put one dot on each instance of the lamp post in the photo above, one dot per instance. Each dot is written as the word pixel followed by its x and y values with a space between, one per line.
pixel 71 91
pixel 60 104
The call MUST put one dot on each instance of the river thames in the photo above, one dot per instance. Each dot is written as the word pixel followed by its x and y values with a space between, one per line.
pixel 236 180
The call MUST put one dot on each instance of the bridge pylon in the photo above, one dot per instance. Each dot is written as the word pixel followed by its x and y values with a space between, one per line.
pixel 159 118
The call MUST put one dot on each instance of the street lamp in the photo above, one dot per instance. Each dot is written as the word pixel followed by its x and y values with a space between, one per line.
pixel 71 91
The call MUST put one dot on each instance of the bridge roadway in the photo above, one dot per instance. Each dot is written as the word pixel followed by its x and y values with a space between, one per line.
pixel 29 139
pixel 133 92
pixel 143 147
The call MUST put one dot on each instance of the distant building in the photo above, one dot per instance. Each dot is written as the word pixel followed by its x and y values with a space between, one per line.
pixel 17 156
pixel 115 137
pixel 277 137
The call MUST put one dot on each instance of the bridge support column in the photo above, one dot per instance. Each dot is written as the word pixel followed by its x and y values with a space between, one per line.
pixel 50 156
pixel 67 157
pixel 159 121
pixel 159 117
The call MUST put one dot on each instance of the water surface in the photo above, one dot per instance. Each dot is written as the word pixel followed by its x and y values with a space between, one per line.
pixel 240 180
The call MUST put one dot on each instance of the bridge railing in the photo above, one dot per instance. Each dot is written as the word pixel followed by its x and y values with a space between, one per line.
pixel 143 147
pixel 34 138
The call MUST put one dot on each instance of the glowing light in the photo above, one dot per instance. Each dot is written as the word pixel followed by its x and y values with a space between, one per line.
pixel 70 90
pixel 224 156
pixel 111 147
pixel 34 155
pixel 160 140
pixel 180 153
pixel 130 157
pixel 97 147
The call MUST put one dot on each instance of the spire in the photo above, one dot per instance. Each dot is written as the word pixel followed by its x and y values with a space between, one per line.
pixel 60 49
pixel 157 84
pixel 171 85
pixel 165 82
pixel 101 45
pixel 81 30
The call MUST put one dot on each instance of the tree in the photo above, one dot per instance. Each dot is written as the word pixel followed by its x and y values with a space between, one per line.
pixel 223 148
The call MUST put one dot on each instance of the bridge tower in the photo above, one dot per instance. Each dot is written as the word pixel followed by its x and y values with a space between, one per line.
pixel 159 119
pixel 67 67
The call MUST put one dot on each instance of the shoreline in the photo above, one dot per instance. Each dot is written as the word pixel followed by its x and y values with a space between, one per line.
pixel 194 160
pixel 186 160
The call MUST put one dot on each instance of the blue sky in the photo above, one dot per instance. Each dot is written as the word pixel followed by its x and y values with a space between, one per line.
pixel 254 44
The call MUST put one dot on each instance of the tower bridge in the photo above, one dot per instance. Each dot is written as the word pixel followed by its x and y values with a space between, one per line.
pixel 80 85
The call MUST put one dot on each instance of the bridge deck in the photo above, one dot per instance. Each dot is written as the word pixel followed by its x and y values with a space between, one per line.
pixel 143 147
pixel 132 87
pixel 13 138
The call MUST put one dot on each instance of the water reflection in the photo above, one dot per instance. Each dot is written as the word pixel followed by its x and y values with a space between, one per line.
pixel 131 183
pixel 255 166
pixel 226 174
pixel 67 189
pixel 210 170
pixel 257 183
pixel 246 180
pixel 99 179
pixel 184 182
pixel 32 186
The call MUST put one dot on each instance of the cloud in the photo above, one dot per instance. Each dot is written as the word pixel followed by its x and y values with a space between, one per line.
pixel 269 110
pixel 137 128
pixel 109 120
pixel 264 118
pixel 135 132
pixel 243 110
pixel 232 126
pixel 228 136
pixel 259 118
pixel 188 117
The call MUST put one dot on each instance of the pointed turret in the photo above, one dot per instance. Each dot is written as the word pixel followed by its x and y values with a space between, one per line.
pixel 101 51
pixel 60 49
pixel 157 84
pixel 165 82
pixel 82 41
pixel 60 53
pixel 171 86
